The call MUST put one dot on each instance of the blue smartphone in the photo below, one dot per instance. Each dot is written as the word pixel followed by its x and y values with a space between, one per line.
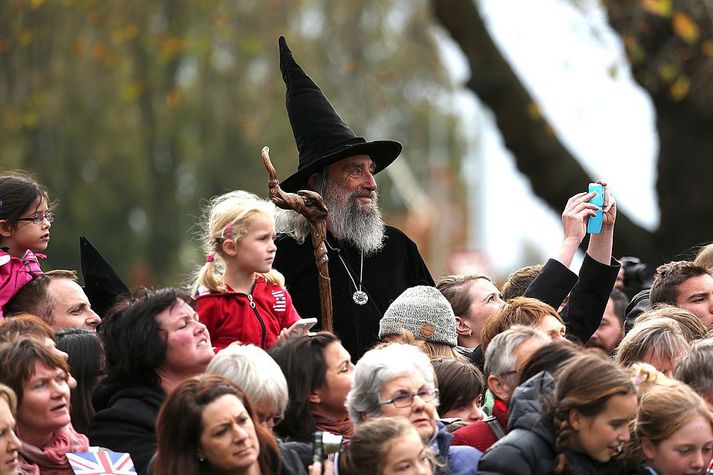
pixel 594 224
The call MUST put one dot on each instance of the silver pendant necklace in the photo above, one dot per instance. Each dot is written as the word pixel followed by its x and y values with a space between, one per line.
pixel 359 296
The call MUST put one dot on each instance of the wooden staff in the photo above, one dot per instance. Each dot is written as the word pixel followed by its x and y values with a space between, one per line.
pixel 310 205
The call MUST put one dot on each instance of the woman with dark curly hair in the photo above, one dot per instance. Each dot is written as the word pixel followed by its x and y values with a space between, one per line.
pixel 152 342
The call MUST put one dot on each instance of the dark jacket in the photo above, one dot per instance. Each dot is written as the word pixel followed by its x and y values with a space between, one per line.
pixel 639 304
pixel 125 420
pixel 529 447
pixel 386 275
pixel 588 293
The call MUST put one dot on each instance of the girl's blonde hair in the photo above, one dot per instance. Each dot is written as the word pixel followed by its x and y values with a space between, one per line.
pixel 227 217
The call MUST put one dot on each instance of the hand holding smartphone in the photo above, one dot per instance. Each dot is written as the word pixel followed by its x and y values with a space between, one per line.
pixel 594 223
pixel 301 327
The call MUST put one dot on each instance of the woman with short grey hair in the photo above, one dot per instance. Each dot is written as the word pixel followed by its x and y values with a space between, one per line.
pixel 379 366
pixel 256 373
pixel 398 380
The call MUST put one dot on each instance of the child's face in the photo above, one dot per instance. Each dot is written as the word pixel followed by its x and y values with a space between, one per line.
pixel 407 455
pixel 28 235
pixel 256 250
pixel 602 436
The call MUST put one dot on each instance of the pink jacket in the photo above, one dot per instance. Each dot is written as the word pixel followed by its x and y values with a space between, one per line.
pixel 15 273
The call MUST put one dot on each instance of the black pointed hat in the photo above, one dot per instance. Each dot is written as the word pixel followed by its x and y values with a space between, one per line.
pixel 322 136
pixel 101 282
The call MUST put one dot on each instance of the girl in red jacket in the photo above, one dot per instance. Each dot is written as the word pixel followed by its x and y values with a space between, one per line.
pixel 239 296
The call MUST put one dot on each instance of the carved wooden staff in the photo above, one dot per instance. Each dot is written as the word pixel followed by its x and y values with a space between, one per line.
pixel 310 205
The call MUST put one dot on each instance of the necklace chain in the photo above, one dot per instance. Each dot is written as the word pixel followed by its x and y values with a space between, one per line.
pixel 359 296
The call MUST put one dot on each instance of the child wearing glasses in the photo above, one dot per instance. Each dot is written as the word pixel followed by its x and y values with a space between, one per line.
pixel 239 296
pixel 25 222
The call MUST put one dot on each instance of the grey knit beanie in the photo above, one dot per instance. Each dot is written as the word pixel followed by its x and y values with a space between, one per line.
pixel 423 311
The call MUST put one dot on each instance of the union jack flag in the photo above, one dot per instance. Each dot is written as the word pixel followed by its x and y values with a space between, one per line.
pixel 101 462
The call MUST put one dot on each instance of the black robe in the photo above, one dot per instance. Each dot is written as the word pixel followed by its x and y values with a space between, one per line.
pixel 387 273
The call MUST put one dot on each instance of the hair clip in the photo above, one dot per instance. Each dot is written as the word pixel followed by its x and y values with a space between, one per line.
pixel 209 259
pixel 228 231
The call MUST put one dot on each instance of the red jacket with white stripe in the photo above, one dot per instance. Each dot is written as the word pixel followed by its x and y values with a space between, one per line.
pixel 255 318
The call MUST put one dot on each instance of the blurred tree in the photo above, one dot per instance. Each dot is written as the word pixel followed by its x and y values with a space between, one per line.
pixel 132 112
pixel 669 44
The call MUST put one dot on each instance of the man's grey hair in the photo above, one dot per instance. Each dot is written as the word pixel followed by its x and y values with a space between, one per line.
pixel 377 368
pixel 253 370
pixel 292 224
pixel 695 368
pixel 500 355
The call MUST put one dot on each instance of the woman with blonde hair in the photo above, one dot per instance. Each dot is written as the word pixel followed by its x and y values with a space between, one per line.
pixel 673 432
pixel 691 326
pixel 659 342
pixel 9 443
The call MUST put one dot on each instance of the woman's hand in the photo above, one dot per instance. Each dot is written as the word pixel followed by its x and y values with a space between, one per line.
pixel 316 468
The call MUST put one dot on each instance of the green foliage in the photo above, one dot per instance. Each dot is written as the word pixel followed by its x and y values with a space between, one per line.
pixel 132 112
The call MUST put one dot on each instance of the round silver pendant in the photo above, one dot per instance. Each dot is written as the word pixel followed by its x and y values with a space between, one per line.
pixel 360 297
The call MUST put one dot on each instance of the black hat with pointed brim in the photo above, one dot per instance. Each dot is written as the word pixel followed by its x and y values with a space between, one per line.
pixel 101 282
pixel 322 137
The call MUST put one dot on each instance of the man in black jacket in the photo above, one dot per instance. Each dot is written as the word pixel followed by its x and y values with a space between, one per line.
pixel 370 264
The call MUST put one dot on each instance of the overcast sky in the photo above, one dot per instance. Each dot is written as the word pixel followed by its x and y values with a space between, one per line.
pixel 575 67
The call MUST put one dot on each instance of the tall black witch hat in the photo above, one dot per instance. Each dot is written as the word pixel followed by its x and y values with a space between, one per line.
pixel 322 136
pixel 101 282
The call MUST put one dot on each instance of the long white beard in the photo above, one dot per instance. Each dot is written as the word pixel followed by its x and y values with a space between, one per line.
pixel 361 225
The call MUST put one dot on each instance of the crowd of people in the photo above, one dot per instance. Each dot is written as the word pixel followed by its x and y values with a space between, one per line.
pixel 554 371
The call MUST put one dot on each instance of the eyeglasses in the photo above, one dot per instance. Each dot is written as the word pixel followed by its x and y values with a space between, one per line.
pixel 406 400
pixel 38 218
pixel 270 421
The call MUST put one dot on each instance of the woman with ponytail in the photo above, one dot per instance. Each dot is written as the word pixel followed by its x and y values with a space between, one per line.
pixel 239 296
pixel 576 425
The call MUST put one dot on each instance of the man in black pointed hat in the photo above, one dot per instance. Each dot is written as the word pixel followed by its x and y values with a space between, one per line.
pixel 370 263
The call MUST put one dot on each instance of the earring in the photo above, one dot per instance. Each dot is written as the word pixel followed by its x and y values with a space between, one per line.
pixel 201 458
